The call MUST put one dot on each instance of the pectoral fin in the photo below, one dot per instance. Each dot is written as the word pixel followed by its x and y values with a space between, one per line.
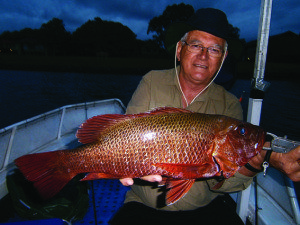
pixel 96 176
pixel 188 171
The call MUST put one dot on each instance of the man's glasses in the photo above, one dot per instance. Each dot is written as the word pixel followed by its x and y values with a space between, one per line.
pixel 212 51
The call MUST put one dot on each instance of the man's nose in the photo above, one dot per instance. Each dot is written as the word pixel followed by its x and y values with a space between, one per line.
pixel 203 53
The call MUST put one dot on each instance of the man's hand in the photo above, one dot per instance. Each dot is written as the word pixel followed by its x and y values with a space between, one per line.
pixel 287 163
pixel 150 178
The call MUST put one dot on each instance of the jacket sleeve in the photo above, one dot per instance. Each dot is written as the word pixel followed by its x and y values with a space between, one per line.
pixel 237 182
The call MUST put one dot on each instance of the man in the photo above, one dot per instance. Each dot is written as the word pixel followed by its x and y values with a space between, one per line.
pixel 201 53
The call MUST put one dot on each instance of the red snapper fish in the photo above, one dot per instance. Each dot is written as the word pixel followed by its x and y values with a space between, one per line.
pixel 178 144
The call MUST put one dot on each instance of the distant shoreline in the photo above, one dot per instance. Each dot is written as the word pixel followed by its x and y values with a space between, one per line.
pixel 127 65
pixel 81 64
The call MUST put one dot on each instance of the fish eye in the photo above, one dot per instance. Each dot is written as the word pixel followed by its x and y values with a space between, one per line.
pixel 242 130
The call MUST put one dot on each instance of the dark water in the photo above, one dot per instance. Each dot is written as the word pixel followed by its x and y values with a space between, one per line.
pixel 24 94
pixel 280 109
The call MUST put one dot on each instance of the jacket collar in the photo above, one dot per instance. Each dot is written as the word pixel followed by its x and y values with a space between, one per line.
pixel 208 93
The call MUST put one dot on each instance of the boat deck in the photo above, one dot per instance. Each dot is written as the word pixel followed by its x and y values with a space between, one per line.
pixel 106 197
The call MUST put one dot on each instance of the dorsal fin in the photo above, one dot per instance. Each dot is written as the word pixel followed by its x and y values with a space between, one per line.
pixel 90 130
pixel 163 110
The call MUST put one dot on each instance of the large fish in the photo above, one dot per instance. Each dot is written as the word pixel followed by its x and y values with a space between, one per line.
pixel 178 144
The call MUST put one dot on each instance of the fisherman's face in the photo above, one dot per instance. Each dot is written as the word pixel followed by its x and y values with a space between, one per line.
pixel 199 68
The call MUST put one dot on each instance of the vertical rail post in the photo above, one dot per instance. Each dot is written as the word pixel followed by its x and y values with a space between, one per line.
pixel 258 88
pixel 61 122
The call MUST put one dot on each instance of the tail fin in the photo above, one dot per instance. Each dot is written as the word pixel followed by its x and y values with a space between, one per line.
pixel 45 171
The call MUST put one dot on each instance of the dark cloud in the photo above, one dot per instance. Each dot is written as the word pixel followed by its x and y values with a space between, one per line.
pixel 131 9
pixel 136 14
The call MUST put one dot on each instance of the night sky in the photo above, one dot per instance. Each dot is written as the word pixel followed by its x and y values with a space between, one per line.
pixel 136 14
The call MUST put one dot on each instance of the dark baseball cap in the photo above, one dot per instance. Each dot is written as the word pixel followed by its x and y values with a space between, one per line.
pixel 212 21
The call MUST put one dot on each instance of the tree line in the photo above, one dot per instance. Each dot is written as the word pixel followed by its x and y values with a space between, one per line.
pixel 96 37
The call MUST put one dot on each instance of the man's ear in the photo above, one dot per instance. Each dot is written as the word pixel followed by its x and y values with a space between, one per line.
pixel 226 54
pixel 178 50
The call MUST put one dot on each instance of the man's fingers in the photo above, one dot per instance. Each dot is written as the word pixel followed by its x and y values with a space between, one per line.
pixel 152 178
pixel 126 181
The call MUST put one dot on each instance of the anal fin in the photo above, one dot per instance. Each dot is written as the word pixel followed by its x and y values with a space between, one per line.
pixel 177 189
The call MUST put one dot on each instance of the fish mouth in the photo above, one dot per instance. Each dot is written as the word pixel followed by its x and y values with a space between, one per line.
pixel 261 139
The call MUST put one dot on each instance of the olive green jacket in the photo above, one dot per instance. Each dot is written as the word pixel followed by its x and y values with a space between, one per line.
pixel 161 88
